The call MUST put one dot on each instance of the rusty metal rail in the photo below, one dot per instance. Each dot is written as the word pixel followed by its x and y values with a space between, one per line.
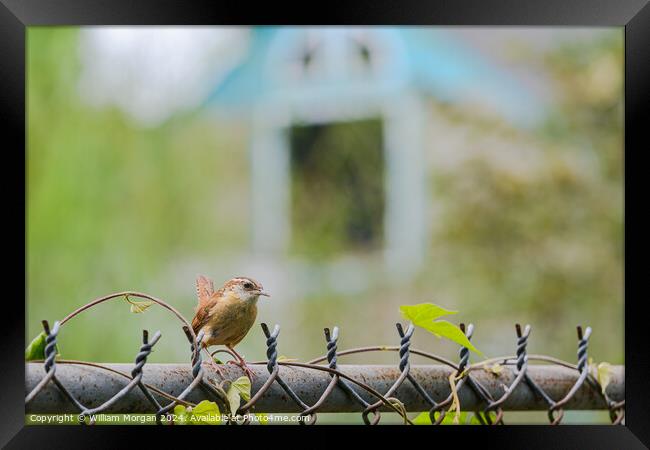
pixel 321 385
pixel 93 386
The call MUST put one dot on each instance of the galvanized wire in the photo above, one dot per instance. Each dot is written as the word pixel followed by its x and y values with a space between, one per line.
pixel 492 412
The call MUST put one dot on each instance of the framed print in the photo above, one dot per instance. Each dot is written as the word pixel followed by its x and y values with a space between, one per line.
pixel 373 216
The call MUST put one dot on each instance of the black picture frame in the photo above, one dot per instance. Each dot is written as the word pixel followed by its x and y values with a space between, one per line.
pixel 633 15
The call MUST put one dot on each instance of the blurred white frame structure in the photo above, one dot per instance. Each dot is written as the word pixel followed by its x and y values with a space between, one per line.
pixel 306 76
pixel 339 85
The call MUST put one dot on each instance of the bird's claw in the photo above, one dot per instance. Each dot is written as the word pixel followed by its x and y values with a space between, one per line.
pixel 216 367
pixel 242 364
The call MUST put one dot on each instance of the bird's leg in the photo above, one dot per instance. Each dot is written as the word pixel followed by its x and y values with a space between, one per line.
pixel 241 363
pixel 213 362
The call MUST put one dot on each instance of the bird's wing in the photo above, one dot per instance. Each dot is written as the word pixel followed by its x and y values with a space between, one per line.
pixel 204 289
pixel 200 318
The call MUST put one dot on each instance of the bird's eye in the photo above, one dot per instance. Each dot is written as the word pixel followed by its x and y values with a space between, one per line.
pixel 248 285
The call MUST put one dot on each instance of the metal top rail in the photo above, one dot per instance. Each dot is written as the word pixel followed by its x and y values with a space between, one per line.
pixel 321 385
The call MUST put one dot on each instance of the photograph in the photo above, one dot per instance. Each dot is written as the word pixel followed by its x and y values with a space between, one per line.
pixel 299 225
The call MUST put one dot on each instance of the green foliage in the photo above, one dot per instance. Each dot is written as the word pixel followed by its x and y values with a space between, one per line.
pixel 465 418
pixel 262 418
pixel 205 413
pixel 112 205
pixel 208 413
pixel 337 188
pixel 240 389
pixel 424 312
pixel 602 372
pixel 138 306
pixel 36 349
pixel 530 225
pixel 424 316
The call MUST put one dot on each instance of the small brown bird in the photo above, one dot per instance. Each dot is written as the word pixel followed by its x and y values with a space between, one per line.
pixel 226 315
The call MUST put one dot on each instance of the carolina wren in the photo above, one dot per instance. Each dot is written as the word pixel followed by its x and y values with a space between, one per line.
pixel 226 315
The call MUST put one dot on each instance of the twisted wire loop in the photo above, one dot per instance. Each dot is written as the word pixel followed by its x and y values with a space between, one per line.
pixel 271 365
pixel 49 364
pixel 404 367
pixel 136 373
pixel 616 409
pixel 332 341
pixel 198 379
pixel 140 360
pixel 463 374
pixel 583 343
pixel 522 361
pixel 520 372
pixel 441 407
pixel 274 369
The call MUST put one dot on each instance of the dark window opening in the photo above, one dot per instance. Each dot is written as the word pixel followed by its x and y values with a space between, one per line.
pixel 337 187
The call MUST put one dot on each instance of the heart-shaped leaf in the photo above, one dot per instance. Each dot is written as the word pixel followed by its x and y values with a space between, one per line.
pixel 424 315
pixel 205 413
pixel 424 312
pixel 239 389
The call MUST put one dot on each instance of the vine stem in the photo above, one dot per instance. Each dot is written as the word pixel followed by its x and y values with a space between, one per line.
pixel 382 348
pixel 377 394
pixel 126 295
pixel 109 369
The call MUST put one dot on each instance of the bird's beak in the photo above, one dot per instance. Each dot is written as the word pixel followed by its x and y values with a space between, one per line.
pixel 265 294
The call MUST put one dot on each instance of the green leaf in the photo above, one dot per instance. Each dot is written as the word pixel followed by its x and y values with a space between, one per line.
pixel 239 389
pixel 262 418
pixel 604 375
pixel 233 400
pixel 602 372
pixel 424 315
pixel 442 328
pixel 243 385
pixel 205 413
pixel 139 307
pixel 286 358
pixel 422 419
pixel 454 419
pixel 423 312
pixel 464 418
pixel 205 407
pixel 36 349
pixel 181 415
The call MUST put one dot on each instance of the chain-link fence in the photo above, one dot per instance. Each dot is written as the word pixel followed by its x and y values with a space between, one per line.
pixel 487 388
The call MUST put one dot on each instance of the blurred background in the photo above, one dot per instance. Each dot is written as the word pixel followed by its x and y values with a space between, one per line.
pixel 349 170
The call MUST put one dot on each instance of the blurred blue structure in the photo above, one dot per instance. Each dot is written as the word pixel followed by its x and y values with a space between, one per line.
pixel 304 75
